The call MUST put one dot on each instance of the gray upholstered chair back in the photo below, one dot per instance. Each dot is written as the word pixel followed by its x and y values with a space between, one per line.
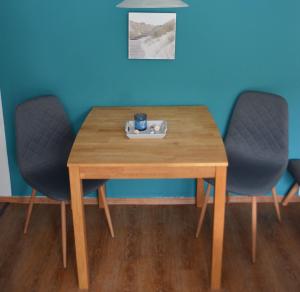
pixel 258 129
pixel 43 135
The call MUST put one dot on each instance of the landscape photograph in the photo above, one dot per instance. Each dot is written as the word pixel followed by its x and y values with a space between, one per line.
pixel 152 35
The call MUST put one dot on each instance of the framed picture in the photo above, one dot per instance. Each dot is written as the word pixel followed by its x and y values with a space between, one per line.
pixel 151 35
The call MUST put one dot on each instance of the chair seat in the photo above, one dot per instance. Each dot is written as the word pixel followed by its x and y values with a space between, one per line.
pixel 294 169
pixel 244 178
pixel 54 183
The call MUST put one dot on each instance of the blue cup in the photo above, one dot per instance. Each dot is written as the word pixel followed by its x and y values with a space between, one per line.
pixel 140 121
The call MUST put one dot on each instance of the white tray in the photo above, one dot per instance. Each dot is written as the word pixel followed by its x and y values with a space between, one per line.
pixel 149 133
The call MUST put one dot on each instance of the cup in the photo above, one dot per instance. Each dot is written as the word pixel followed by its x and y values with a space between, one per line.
pixel 140 121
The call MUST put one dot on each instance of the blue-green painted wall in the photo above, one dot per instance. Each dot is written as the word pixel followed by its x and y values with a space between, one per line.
pixel 77 50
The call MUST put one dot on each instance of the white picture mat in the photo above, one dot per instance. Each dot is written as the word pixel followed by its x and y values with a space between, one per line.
pixel 5 186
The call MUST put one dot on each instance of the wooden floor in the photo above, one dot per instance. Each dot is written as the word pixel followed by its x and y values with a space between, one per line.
pixel 154 250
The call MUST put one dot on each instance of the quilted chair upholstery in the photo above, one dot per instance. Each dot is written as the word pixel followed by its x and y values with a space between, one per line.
pixel 294 169
pixel 44 138
pixel 257 143
pixel 257 149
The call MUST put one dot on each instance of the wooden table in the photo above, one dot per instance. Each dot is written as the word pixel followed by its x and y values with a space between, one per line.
pixel 192 148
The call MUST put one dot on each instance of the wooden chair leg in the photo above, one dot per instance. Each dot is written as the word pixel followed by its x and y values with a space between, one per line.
pixel 102 198
pixel 274 194
pixel 29 210
pixel 200 196
pixel 290 195
pixel 203 210
pixel 64 232
pixel 254 228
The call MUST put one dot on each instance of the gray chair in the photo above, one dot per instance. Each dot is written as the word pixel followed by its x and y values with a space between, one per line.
pixel 44 138
pixel 257 148
pixel 294 169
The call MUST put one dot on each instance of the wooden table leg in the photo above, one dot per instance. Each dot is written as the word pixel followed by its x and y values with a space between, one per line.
pixel 218 227
pixel 200 193
pixel 79 228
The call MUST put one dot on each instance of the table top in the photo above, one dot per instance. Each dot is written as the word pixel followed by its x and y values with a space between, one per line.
pixel 192 139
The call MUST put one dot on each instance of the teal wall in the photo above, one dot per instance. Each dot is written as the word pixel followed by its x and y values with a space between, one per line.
pixel 77 50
